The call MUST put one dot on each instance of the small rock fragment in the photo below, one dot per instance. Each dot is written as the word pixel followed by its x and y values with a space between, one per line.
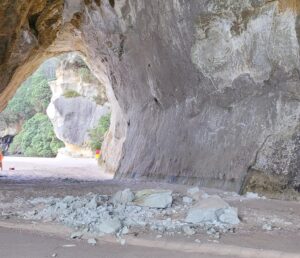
pixel 267 227
pixel 125 230
pixel 92 241
pixel 76 235
pixel 93 204
pixel 187 200
pixel 229 216
pixel 251 195
pixel 195 193
pixel 123 241
pixel 123 197
pixel 68 245
pixel 193 190
pixel 188 230
pixel 54 255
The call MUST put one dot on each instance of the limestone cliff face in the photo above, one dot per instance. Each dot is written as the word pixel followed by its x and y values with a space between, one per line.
pixel 199 89
pixel 78 102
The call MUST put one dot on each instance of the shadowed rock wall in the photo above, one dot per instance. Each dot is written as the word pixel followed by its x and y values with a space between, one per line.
pixel 198 88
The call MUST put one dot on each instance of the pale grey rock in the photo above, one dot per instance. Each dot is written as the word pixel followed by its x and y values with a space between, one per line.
pixel 92 241
pixel 196 193
pixel 228 216
pixel 250 195
pixel 212 210
pixel 73 117
pixel 188 230
pixel 124 230
pixel 267 227
pixel 154 198
pixel 109 226
pixel 76 235
pixel 187 200
pixel 123 197
pixel 68 246
pixel 193 190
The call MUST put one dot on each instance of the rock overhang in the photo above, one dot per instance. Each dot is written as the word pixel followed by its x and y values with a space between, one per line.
pixel 197 87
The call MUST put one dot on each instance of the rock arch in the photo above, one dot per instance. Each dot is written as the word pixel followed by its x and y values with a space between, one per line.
pixel 197 86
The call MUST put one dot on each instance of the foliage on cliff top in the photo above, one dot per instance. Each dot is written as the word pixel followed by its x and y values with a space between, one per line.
pixel 37 138
pixel 32 97
pixel 71 94
pixel 97 134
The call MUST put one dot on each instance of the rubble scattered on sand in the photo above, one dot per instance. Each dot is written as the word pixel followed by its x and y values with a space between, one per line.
pixel 126 212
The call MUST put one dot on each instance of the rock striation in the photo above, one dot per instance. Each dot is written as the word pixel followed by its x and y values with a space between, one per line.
pixel 199 90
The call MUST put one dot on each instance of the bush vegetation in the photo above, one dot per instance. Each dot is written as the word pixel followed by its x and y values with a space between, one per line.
pixel 71 94
pixel 29 104
pixel 32 97
pixel 37 138
pixel 97 134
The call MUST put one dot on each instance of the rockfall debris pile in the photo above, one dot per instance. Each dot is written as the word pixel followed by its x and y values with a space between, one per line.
pixel 161 211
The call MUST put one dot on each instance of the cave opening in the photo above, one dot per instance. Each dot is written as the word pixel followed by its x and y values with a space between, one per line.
pixel 57 122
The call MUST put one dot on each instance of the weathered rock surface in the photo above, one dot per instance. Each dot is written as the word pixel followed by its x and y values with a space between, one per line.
pixel 78 102
pixel 196 87
pixel 109 226
pixel 154 198
pixel 212 210
pixel 123 197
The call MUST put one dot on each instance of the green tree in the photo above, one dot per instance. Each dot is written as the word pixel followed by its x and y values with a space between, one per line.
pixel 32 97
pixel 37 138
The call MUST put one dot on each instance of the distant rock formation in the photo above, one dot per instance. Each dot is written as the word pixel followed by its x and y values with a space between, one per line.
pixel 7 132
pixel 77 104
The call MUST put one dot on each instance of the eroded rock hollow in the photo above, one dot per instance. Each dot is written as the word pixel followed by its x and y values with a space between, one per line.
pixel 202 92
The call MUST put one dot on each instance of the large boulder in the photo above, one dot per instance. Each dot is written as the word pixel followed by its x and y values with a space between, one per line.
pixel 212 210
